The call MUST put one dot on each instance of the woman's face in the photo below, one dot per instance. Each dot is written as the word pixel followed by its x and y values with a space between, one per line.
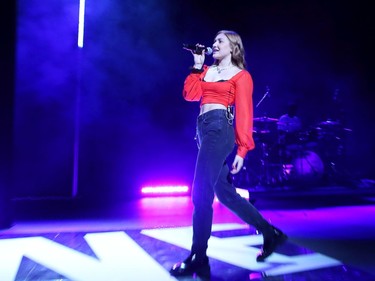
pixel 221 47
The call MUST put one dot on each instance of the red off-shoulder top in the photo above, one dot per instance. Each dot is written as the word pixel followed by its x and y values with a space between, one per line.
pixel 236 91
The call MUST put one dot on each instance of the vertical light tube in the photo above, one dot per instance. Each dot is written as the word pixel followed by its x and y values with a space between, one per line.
pixel 81 28
pixel 77 128
pixel 81 23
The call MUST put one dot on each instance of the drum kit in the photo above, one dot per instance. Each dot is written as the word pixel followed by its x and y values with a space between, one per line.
pixel 286 158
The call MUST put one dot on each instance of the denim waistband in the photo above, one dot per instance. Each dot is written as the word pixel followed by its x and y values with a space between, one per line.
pixel 212 113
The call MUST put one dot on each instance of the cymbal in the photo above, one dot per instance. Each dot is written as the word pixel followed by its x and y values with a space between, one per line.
pixel 256 131
pixel 265 119
pixel 329 123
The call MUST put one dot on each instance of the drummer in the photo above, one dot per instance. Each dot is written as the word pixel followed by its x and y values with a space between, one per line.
pixel 290 122
pixel 289 126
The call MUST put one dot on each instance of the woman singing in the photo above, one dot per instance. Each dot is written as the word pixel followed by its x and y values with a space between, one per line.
pixel 220 87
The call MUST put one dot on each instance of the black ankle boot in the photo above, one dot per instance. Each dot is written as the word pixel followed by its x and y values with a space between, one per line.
pixel 191 265
pixel 271 241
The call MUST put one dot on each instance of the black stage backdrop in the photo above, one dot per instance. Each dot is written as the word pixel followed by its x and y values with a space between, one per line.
pixel 101 121
pixel 7 74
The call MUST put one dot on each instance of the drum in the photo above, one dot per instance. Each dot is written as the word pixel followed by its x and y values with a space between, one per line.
pixel 307 166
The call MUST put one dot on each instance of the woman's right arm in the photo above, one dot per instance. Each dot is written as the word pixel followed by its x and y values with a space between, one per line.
pixel 192 86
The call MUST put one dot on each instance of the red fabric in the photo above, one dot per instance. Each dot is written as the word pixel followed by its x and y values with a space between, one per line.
pixel 237 91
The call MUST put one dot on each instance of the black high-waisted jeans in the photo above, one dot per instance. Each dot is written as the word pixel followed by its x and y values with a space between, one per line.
pixel 215 137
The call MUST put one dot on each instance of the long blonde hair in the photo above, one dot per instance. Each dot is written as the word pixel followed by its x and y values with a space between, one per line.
pixel 238 51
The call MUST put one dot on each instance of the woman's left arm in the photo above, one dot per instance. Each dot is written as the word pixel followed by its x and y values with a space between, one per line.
pixel 243 118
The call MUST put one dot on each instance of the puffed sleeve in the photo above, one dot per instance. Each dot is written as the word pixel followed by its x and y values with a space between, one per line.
pixel 244 114
pixel 192 90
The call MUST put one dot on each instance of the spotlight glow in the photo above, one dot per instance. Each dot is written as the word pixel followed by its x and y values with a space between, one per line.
pixel 242 192
pixel 81 23
pixel 168 189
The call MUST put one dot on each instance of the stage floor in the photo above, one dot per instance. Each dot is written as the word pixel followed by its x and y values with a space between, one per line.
pixel 331 237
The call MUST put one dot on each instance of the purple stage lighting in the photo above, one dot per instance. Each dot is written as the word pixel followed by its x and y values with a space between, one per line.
pixel 165 190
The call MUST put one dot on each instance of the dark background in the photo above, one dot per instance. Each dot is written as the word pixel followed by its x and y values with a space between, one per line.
pixel 102 121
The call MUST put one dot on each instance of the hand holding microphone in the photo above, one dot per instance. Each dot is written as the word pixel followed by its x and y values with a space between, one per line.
pixel 198 49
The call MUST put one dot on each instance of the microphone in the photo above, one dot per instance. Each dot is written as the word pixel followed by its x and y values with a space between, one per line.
pixel 198 49
pixel 267 92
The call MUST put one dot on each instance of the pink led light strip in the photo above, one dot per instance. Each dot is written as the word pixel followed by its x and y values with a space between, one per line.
pixel 171 189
